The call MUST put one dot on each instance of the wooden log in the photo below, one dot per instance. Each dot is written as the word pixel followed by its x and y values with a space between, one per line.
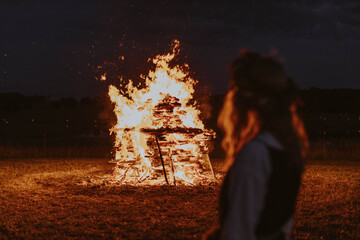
pixel 211 168
pixel 162 160
pixel 167 130
pixel 172 168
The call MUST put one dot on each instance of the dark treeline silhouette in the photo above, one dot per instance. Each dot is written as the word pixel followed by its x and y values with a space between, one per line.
pixel 316 100
pixel 12 102
pixel 35 121
pixel 327 113
pixel 331 101
pixel 38 120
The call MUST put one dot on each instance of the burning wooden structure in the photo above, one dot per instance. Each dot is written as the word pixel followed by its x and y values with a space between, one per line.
pixel 159 136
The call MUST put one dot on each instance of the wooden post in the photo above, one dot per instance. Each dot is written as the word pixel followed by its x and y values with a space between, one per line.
pixel 324 148
pixel 211 168
pixel 162 160
pixel 172 168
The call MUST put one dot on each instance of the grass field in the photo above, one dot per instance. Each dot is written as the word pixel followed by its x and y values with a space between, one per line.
pixel 62 199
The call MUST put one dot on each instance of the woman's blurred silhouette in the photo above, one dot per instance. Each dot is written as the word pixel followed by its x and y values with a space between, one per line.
pixel 265 142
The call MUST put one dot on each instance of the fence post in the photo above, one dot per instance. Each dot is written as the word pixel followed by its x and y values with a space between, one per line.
pixel 324 148
pixel 44 145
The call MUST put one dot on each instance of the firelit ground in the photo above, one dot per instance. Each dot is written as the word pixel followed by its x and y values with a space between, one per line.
pixel 68 199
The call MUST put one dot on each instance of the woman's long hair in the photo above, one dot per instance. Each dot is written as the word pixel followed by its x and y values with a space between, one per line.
pixel 261 98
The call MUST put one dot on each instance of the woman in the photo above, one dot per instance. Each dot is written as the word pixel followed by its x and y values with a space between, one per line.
pixel 265 142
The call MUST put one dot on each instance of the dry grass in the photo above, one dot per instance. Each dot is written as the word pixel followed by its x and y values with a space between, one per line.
pixel 329 202
pixel 47 199
pixel 67 151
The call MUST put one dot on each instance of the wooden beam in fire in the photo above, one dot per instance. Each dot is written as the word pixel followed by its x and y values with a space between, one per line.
pixel 162 160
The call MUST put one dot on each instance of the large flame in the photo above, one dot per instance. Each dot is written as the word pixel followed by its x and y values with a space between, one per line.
pixel 159 136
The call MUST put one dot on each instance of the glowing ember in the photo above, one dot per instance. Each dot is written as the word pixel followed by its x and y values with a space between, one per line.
pixel 103 77
pixel 159 137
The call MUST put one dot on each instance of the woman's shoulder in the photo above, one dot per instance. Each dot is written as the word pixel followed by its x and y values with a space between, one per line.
pixel 255 155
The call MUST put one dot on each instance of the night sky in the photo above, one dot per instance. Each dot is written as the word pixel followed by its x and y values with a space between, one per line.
pixel 54 47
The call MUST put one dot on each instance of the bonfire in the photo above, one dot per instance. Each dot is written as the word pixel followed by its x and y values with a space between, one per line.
pixel 159 136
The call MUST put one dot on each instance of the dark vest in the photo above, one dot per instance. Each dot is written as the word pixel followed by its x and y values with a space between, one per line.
pixel 282 189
